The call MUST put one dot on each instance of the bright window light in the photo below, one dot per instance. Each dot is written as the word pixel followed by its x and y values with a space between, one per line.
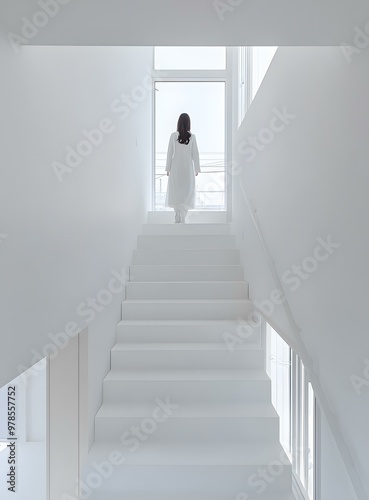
pixel 190 58
pixel 261 60
pixel 293 398
pixel 205 103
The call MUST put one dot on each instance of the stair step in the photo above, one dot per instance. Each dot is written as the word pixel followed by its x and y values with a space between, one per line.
pixel 193 217
pixel 102 494
pixel 209 273
pixel 187 410
pixel 194 467
pixel 186 309
pixel 201 229
pixel 186 356
pixel 186 242
pixel 164 429
pixel 188 290
pixel 187 387
pixel 196 455
pixel 197 257
pixel 213 331
pixel 181 347
pixel 201 410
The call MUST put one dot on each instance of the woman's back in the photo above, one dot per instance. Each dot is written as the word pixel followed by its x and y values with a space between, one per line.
pixel 182 165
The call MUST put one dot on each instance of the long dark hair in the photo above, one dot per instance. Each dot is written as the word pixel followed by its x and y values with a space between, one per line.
pixel 184 127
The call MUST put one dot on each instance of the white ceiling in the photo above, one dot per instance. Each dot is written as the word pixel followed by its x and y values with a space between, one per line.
pixel 189 22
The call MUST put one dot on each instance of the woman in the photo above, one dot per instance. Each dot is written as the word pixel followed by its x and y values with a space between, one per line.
pixel 182 165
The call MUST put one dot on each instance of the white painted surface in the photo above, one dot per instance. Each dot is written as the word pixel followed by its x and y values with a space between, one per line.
pixel 309 183
pixel 219 426
pixel 335 482
pixel 66 238
pixel 171 22
pixel 193 217
pixel 68 417
pixel 63 422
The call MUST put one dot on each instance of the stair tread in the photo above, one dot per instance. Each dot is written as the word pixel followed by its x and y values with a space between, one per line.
pixel 193 453
pixel 186 250
pixel 181 322
pixel 188 301
pixel 172 375
pixel 237 410
pixel 183 346
pixel 187 265
pixel 158 224
pixel 117 495
pixel 196 282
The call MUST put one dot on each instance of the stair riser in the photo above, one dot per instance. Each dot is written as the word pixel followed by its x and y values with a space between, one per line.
pixel 196 360
pixel 189 242
pixel 192 229
pixel 186 273
pixel 173 290
pixel 185 430
pixel 190 310
pixel 193 392
pixel 226 481
pixel 185 257
pixel 214 495
pixel 187 333
pixel 193 217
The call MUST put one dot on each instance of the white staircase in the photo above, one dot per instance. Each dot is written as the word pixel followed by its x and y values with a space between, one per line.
pixel 184 418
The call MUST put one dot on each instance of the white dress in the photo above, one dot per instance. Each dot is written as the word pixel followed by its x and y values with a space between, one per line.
pixel 182 163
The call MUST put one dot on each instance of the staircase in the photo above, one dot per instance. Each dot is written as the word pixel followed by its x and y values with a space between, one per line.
pixel 184 418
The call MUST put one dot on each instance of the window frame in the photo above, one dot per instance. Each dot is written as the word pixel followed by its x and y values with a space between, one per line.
pixel 201 76
pixel 299 412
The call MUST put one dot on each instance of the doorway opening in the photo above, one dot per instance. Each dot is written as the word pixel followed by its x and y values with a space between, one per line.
pixel 204 101
pixel 193 80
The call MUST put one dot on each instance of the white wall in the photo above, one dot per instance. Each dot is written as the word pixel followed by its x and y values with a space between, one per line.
pixel 64 239
pixel 335 482
pixel 194 22
pixel 311 182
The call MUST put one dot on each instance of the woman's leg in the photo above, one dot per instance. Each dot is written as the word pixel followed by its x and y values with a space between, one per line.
pixel 184 212
pixel 177 215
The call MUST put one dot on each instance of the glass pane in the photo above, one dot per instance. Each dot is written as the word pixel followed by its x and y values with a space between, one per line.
pixel 311 441
pixel 205 103
pixel 303 412
pixel 261 59
pixel 190 58
pixel 280 376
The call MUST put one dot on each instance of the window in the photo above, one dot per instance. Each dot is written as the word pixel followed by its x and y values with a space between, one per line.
pixel 190 58
pixel 194 80
pixel 293 398
pixel 253 63
pixel 205 103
